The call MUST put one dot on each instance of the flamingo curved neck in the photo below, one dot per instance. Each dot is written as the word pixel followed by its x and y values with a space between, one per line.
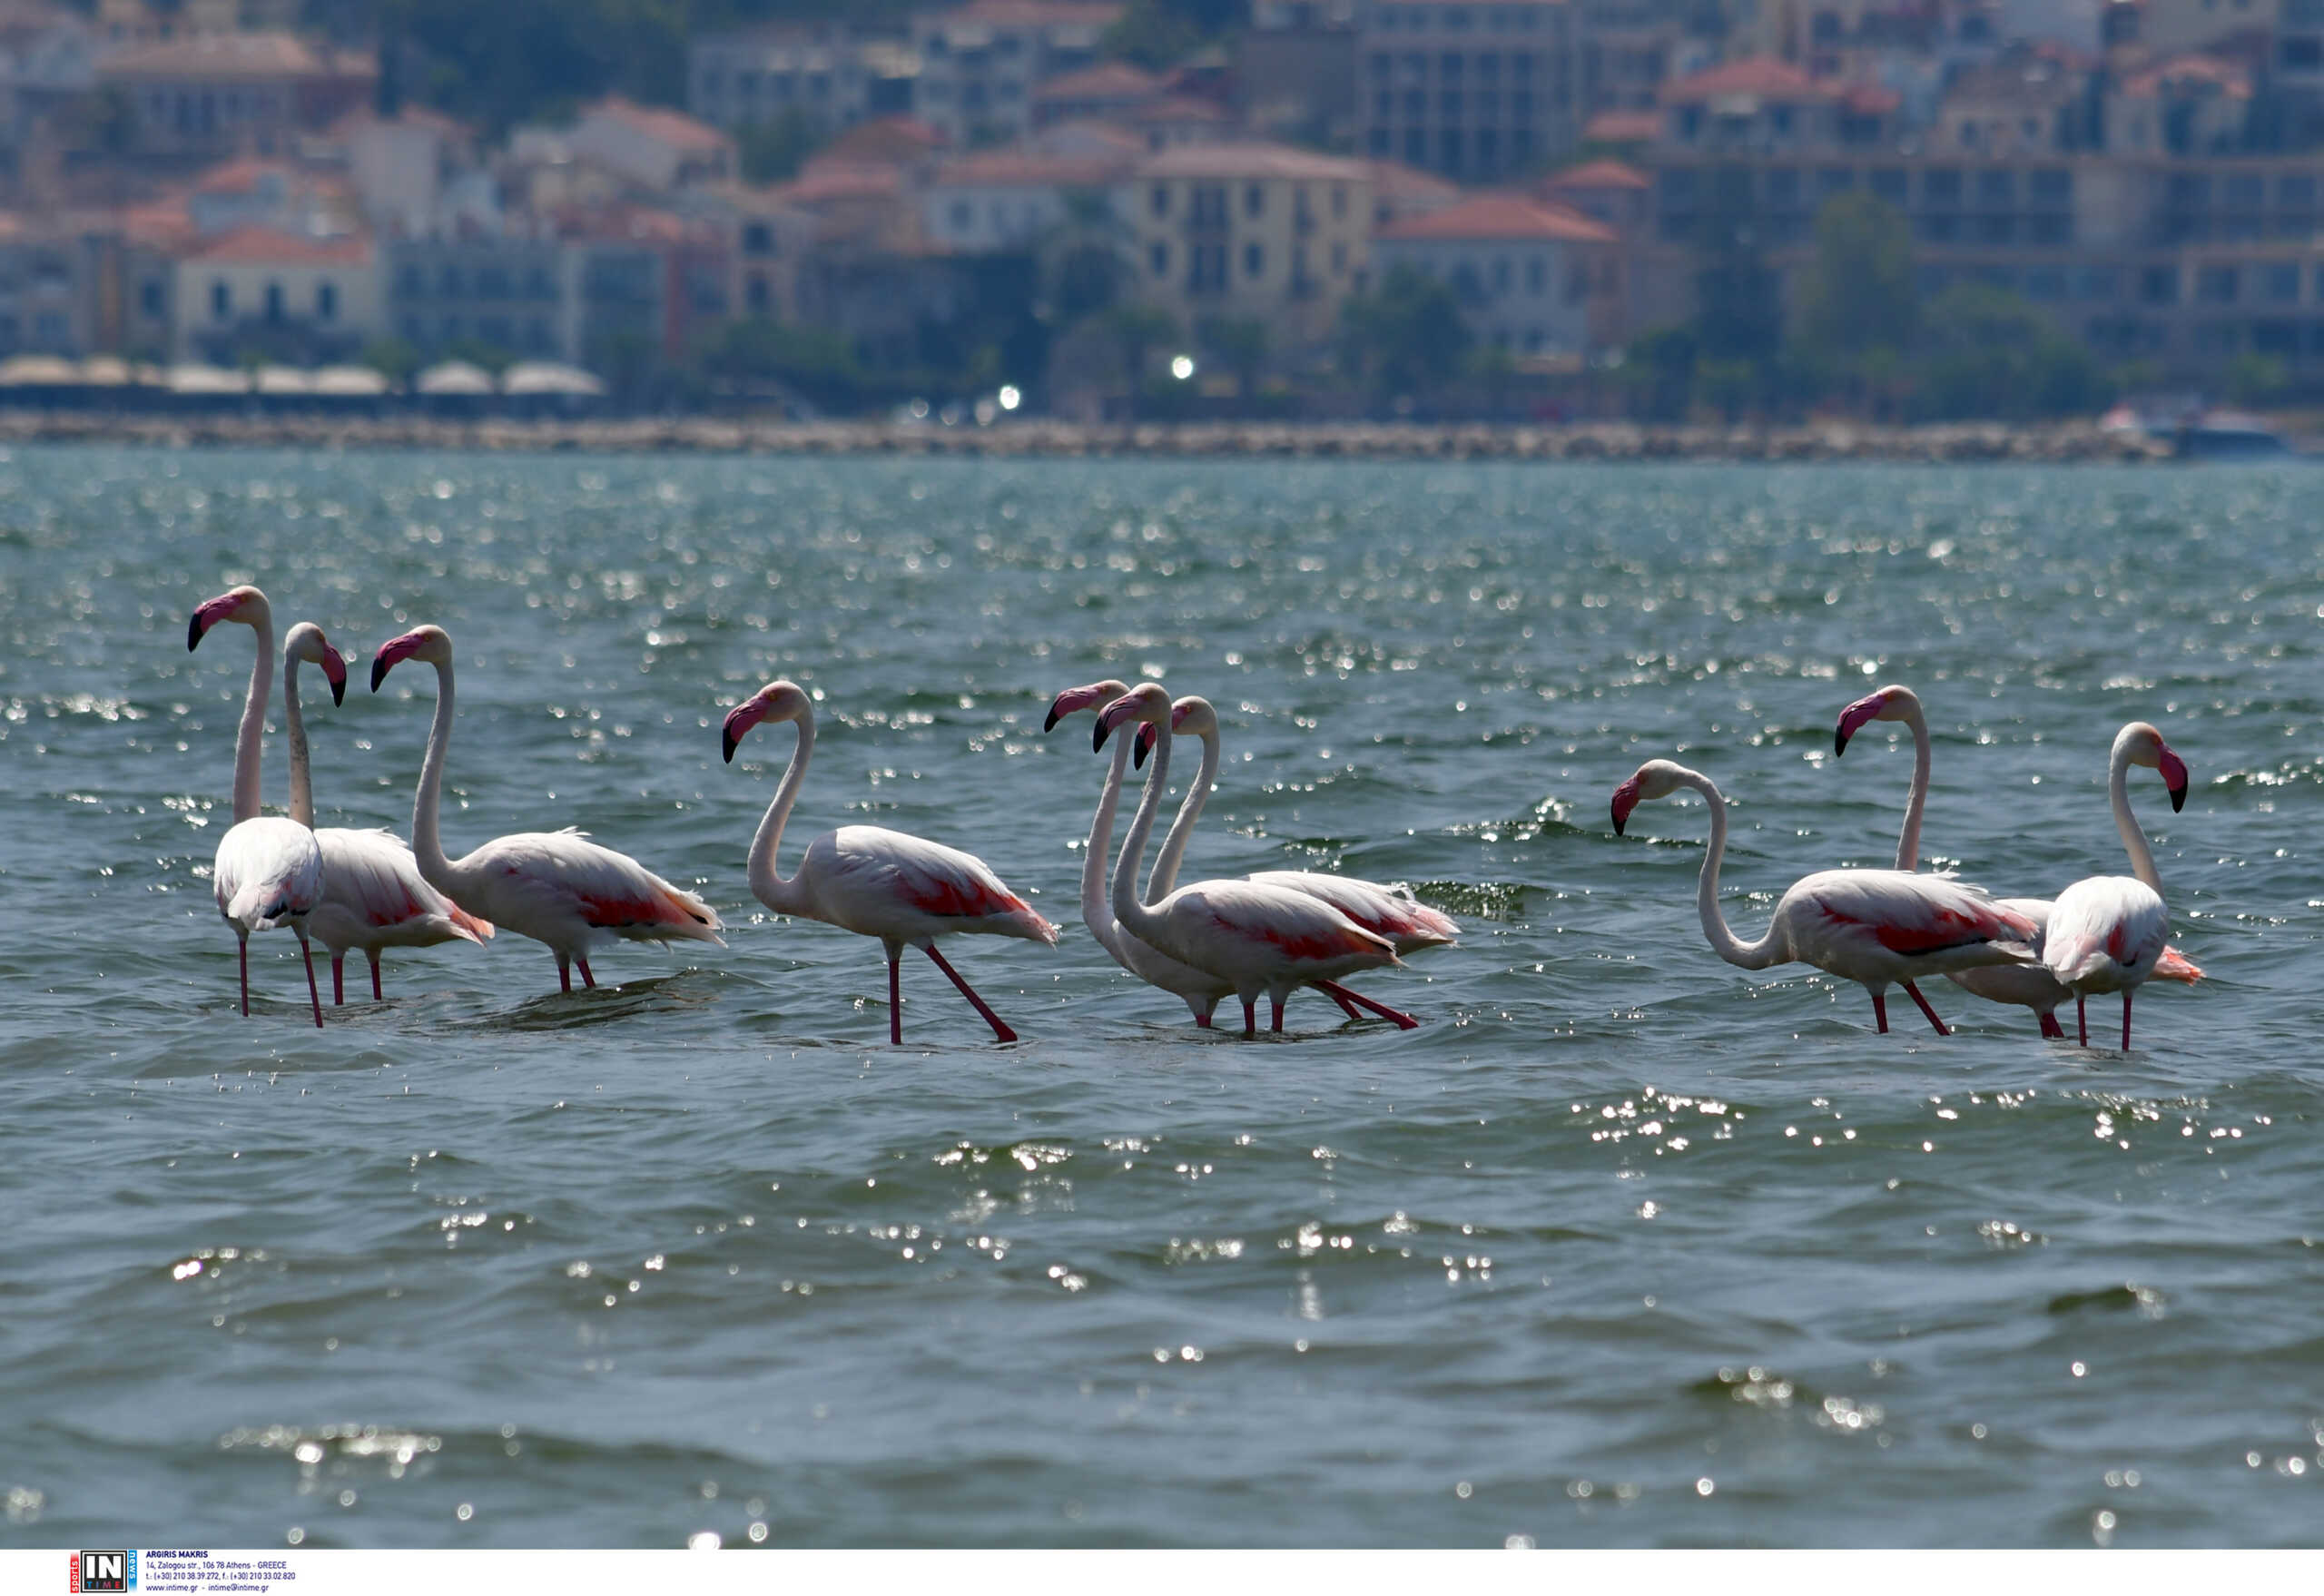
pixel 426 845
pixel 1164 878
pixel 784 897
pixel 1131 915
pixel 1908 841
pixel 1097 913
pixel 1756 955
pixel 294 728
pixel 251 733
pixel 2117 783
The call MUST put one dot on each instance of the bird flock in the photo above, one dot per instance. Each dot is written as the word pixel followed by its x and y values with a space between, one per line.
pixel 1267 934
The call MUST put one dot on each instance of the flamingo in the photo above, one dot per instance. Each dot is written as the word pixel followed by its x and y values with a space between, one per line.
pixel 1256 937
pixel 2108 932
pixel 555 887
pixel 269 871
pixel 374 896
pixel 2031 986
pixel 1411 925
pixel 1200 990
pixel 1879 927
pixel 874 882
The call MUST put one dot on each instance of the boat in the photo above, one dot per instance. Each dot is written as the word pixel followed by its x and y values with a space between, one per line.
pixel 2196 431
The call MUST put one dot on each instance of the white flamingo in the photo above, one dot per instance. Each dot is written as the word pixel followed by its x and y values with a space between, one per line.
pixel 902 890
pixel 2029 985
pixel 374 896
pixel 1880 927
pixel 269 871
pixel 1200 990
pixel 2108 932
pixel 1258 938
pixel 558 888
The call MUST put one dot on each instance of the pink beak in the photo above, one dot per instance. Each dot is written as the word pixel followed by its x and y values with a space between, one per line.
pixel 1625 800
pixel 1075 699
pixel 393 652
pixel 335 672
pixel 1853 718
pixel 1144 746
pixel 741 719
pixel 2174 777
pixel 209 614
pixel 1114 714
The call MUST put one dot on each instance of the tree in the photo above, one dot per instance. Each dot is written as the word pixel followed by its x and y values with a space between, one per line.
pixel 1404 336
pixel 392 359
pixel 1659 370
pixel 2256 379
pixel 1151 34
pixel 1988 353
pixel 1738 299
pixel 1239 340
pixel 1860 304
pixel 771 152
pixel 1135 328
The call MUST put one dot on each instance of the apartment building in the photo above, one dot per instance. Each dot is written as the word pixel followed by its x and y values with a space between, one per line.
pixel 1249 229
pixel 507 293
pixel 830 73
pixel 978 62
pixel 1529 276
pixel 219 95
pixel 1004 200
pixel 1472 89
pixel 302 301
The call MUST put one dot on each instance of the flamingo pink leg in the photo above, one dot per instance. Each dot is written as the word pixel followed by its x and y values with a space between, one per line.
pixel 1203 1020
pixel 1250 1017
pixel 376 995
pixel 1915 994
pixel 1000 1032
pixel 1880 1010
pixel 1277 1026
pixel 587 978
pixel 314 996
pixel 2050 1026
pixel 1351 1000
pixel 563 973
pixel 2126 1020
pixel 246 975
pixel 337 988
pixel 2082 1018
pixel 895 999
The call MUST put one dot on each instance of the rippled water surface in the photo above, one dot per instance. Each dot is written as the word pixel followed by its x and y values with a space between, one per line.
pixel 1622 1246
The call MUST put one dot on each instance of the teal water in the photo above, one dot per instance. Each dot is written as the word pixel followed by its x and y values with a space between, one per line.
pixel 1623 1246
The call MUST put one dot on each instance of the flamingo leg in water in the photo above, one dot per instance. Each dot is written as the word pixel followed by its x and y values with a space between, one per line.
pixel 2050 1026
pixel 2082 1018
pixel 1880 1010
pixel 338 988
pixel 587 978
pixel 1350 1000
pixel 2126 1020
pixel 376 996
pixel 1277 1004
pixel 563 973
pixel 1203 1020
pixel 307 955
pixel 1338 994
pixel 246 971
pixel 1915 994
pixel 1000 1031
pixel 895 999
pixel 1250 1017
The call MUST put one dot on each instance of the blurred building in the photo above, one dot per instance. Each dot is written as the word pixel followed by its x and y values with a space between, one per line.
pixel 1472 89
pixel 216 94
pixel 978 62
pixel 1531 276
pixel 829 74
pixel 288 298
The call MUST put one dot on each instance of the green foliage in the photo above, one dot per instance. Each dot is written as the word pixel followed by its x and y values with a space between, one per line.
pixel 2256 380
pixel 1987 353
pixel 1659 372
pixel 1404 336
pixel 1739 299
pixel 1152 34
pixel 1240 341
pixel 817 361
pixel 476 351
pixel 772 152
pixel 392 359
pixel 1860 304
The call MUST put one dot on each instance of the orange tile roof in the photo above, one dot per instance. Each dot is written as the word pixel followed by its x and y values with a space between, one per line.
pixel 1109 80
pixel 231 55
pixel 1599 174
pixel 1622 127
pixel 1019 169
pixel 265 245
pixel 2207 70
pixel 1762 75
pixel 824 180
pixel 1395 182
pixel 674 128
pixel 1037 12
pixel 1175 108
pixel 1241 160
pixel 1501 216
pixel 884 140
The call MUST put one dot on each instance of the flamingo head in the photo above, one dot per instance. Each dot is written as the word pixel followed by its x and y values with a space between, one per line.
pixel 777 700
pixel 1149 704
pixel 2140 744
pixel 306 643
pixel 428 644
pixel 1657 778
pixel 245 604
pixel 1189 717
pixel 1890 704
pixel 1073 700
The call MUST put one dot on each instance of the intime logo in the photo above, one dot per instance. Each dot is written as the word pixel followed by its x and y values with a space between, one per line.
pixel 105 1571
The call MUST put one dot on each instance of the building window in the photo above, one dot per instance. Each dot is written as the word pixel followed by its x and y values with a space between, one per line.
pixel 150 302
pixel 1157 259
pixel 1255 261
pixel 1158 202
pixel 1500 276
pixel 2282 284
pixel 2159 285
pixel 758 239
pixel 2215 285
pixel 1339 202
pixel 222 301
pixel 274 302
pixel 326 300
pixel 1339 259
pixel 1255 200
pixel 754 294
pixel 1537 277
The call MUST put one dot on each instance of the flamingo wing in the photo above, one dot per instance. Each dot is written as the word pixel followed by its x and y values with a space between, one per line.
pixel 1273 922
pixel 267 872
pixel 2107 933
pixel 1870 918
pixel 891 883
pixel 1384 911
pixel 372 878
pixel 541 875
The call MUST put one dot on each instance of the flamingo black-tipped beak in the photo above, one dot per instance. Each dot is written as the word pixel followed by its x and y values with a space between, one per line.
pixel 1146 736
pixel 739 720
pixel 335 672
pixel 193 632
pixel 2175 778
pixel 380 664
pixel 1098 738
pixel 1853 718
pixel 1049 723
pixel 1625 800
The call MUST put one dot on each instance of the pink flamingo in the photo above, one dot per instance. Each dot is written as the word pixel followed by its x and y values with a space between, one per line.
pixel 374 896
pixel 874 882
pixel 2030 986
pixel 1411 926
pixel 1878 927
pixel 1259 937
pixel 269 871
pixel 558 888
pixel 2108 932
pixel 1200 990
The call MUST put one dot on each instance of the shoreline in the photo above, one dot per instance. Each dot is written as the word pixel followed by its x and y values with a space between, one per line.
pixel 1945 443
